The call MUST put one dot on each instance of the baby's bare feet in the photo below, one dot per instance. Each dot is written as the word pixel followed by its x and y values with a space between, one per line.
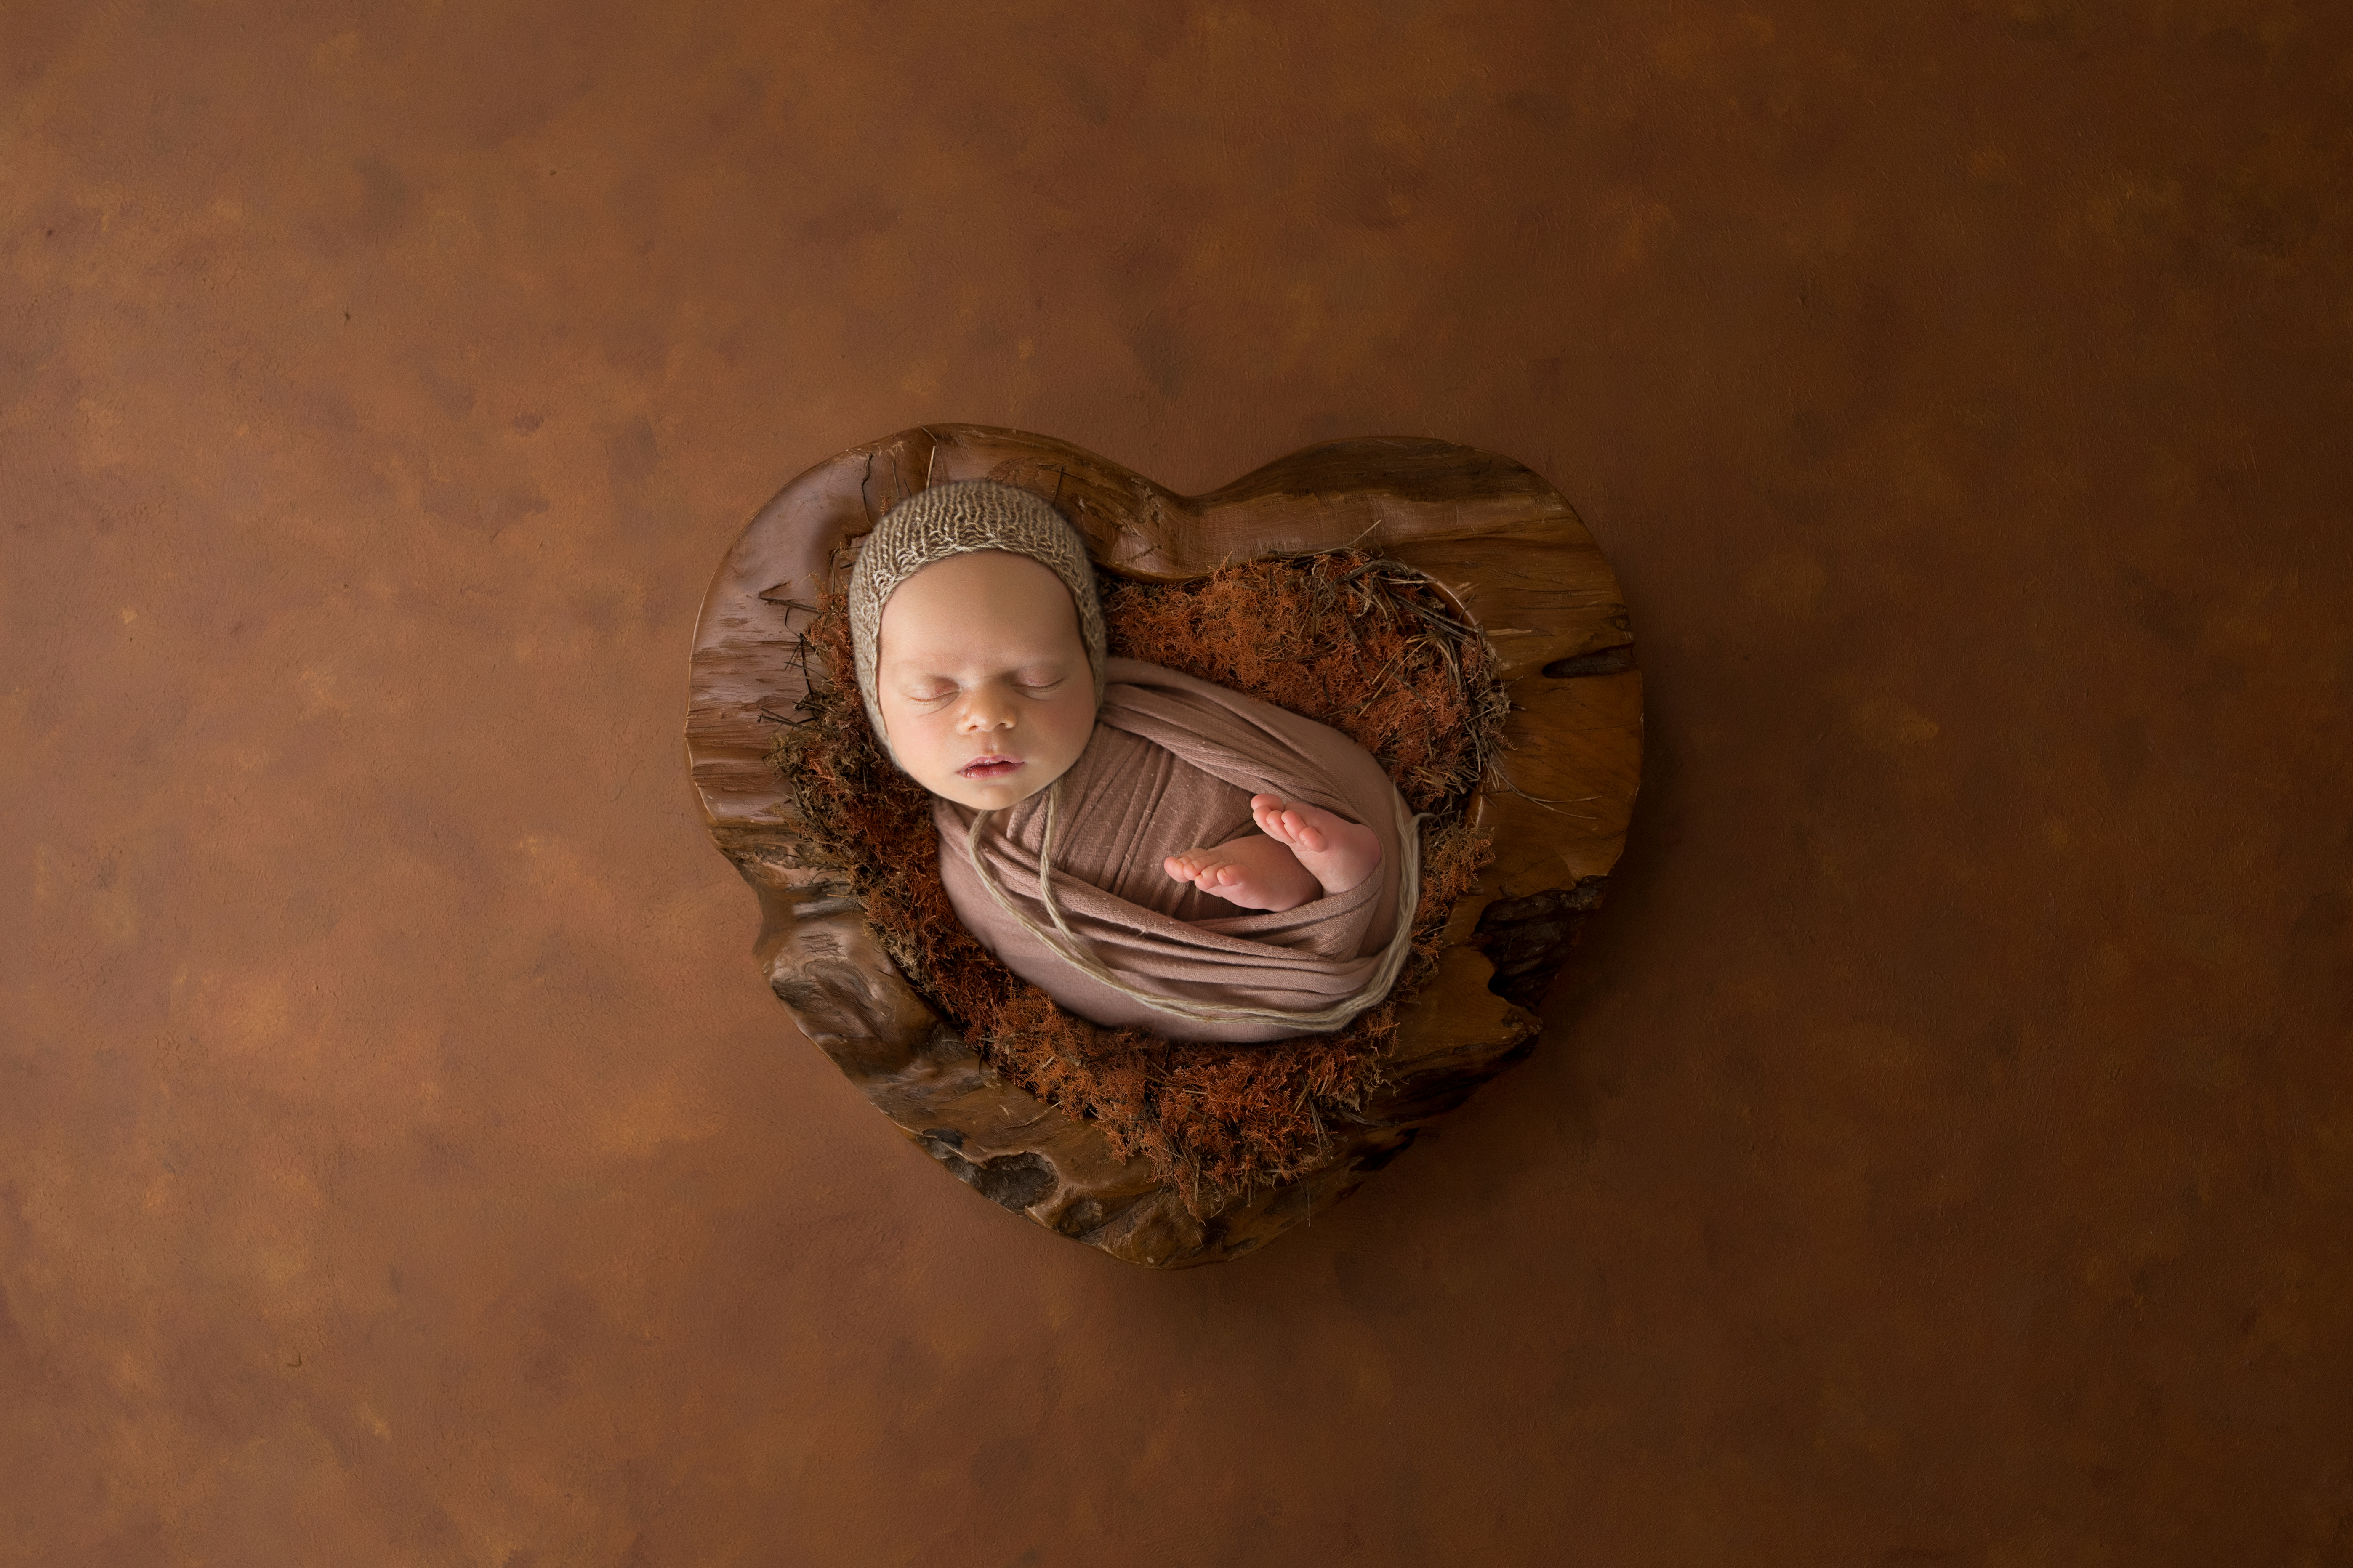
pixel 1252 873
pixel 1336 852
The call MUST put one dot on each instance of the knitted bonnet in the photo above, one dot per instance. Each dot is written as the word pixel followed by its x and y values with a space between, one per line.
pixel 957 518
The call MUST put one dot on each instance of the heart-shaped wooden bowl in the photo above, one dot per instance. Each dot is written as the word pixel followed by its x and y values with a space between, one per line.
pixel 1493 536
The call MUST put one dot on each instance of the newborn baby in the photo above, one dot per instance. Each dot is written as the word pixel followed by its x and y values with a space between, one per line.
pixel 1105 822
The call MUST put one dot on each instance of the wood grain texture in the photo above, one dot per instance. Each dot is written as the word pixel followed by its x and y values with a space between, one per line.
pixel 1502 545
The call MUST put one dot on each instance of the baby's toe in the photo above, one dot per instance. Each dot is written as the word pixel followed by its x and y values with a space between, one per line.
pixel 1205 869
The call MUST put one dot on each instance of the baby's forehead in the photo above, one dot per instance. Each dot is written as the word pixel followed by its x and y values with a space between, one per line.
pixel 981 580
pixel 991 598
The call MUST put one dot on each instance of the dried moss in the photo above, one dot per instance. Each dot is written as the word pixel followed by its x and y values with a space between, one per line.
pixel 1362 643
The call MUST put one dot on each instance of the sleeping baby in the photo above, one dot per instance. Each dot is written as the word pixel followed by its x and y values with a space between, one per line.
pixel 1151 850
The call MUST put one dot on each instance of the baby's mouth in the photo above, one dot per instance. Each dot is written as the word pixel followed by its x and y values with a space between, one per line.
pixel 986 768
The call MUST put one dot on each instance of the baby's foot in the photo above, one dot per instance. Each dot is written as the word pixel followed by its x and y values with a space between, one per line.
pixel 1252 873
pixel 1336 852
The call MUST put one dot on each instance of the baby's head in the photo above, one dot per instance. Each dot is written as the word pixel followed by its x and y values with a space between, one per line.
pixel 979 641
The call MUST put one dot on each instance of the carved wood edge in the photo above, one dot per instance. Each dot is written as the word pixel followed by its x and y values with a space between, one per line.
pixel 1493 537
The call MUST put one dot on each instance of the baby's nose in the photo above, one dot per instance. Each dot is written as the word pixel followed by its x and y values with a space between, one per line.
pixel 987 712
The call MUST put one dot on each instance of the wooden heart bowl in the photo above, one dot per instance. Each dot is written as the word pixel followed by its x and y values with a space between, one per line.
pixel 1497 540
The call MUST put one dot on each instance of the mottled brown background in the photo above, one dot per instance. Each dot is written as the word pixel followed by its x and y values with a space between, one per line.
pixel 1944 1153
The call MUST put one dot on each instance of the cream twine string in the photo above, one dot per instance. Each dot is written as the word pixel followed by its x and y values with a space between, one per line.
pixel 1082 958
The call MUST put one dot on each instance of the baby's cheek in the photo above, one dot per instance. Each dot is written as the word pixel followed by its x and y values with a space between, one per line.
pixel 1070 735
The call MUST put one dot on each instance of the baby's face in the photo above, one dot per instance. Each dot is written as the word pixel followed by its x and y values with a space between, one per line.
pixel 982 679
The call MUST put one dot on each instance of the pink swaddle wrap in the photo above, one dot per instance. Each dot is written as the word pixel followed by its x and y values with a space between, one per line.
pixel 1172 765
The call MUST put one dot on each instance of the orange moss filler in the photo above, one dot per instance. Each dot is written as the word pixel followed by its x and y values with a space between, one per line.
pixel 1362 643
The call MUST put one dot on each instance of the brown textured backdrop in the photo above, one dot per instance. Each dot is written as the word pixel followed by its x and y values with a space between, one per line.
pixel 1944 1153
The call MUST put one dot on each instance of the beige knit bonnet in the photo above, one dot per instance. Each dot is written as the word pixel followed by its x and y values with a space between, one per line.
pixel 957 518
